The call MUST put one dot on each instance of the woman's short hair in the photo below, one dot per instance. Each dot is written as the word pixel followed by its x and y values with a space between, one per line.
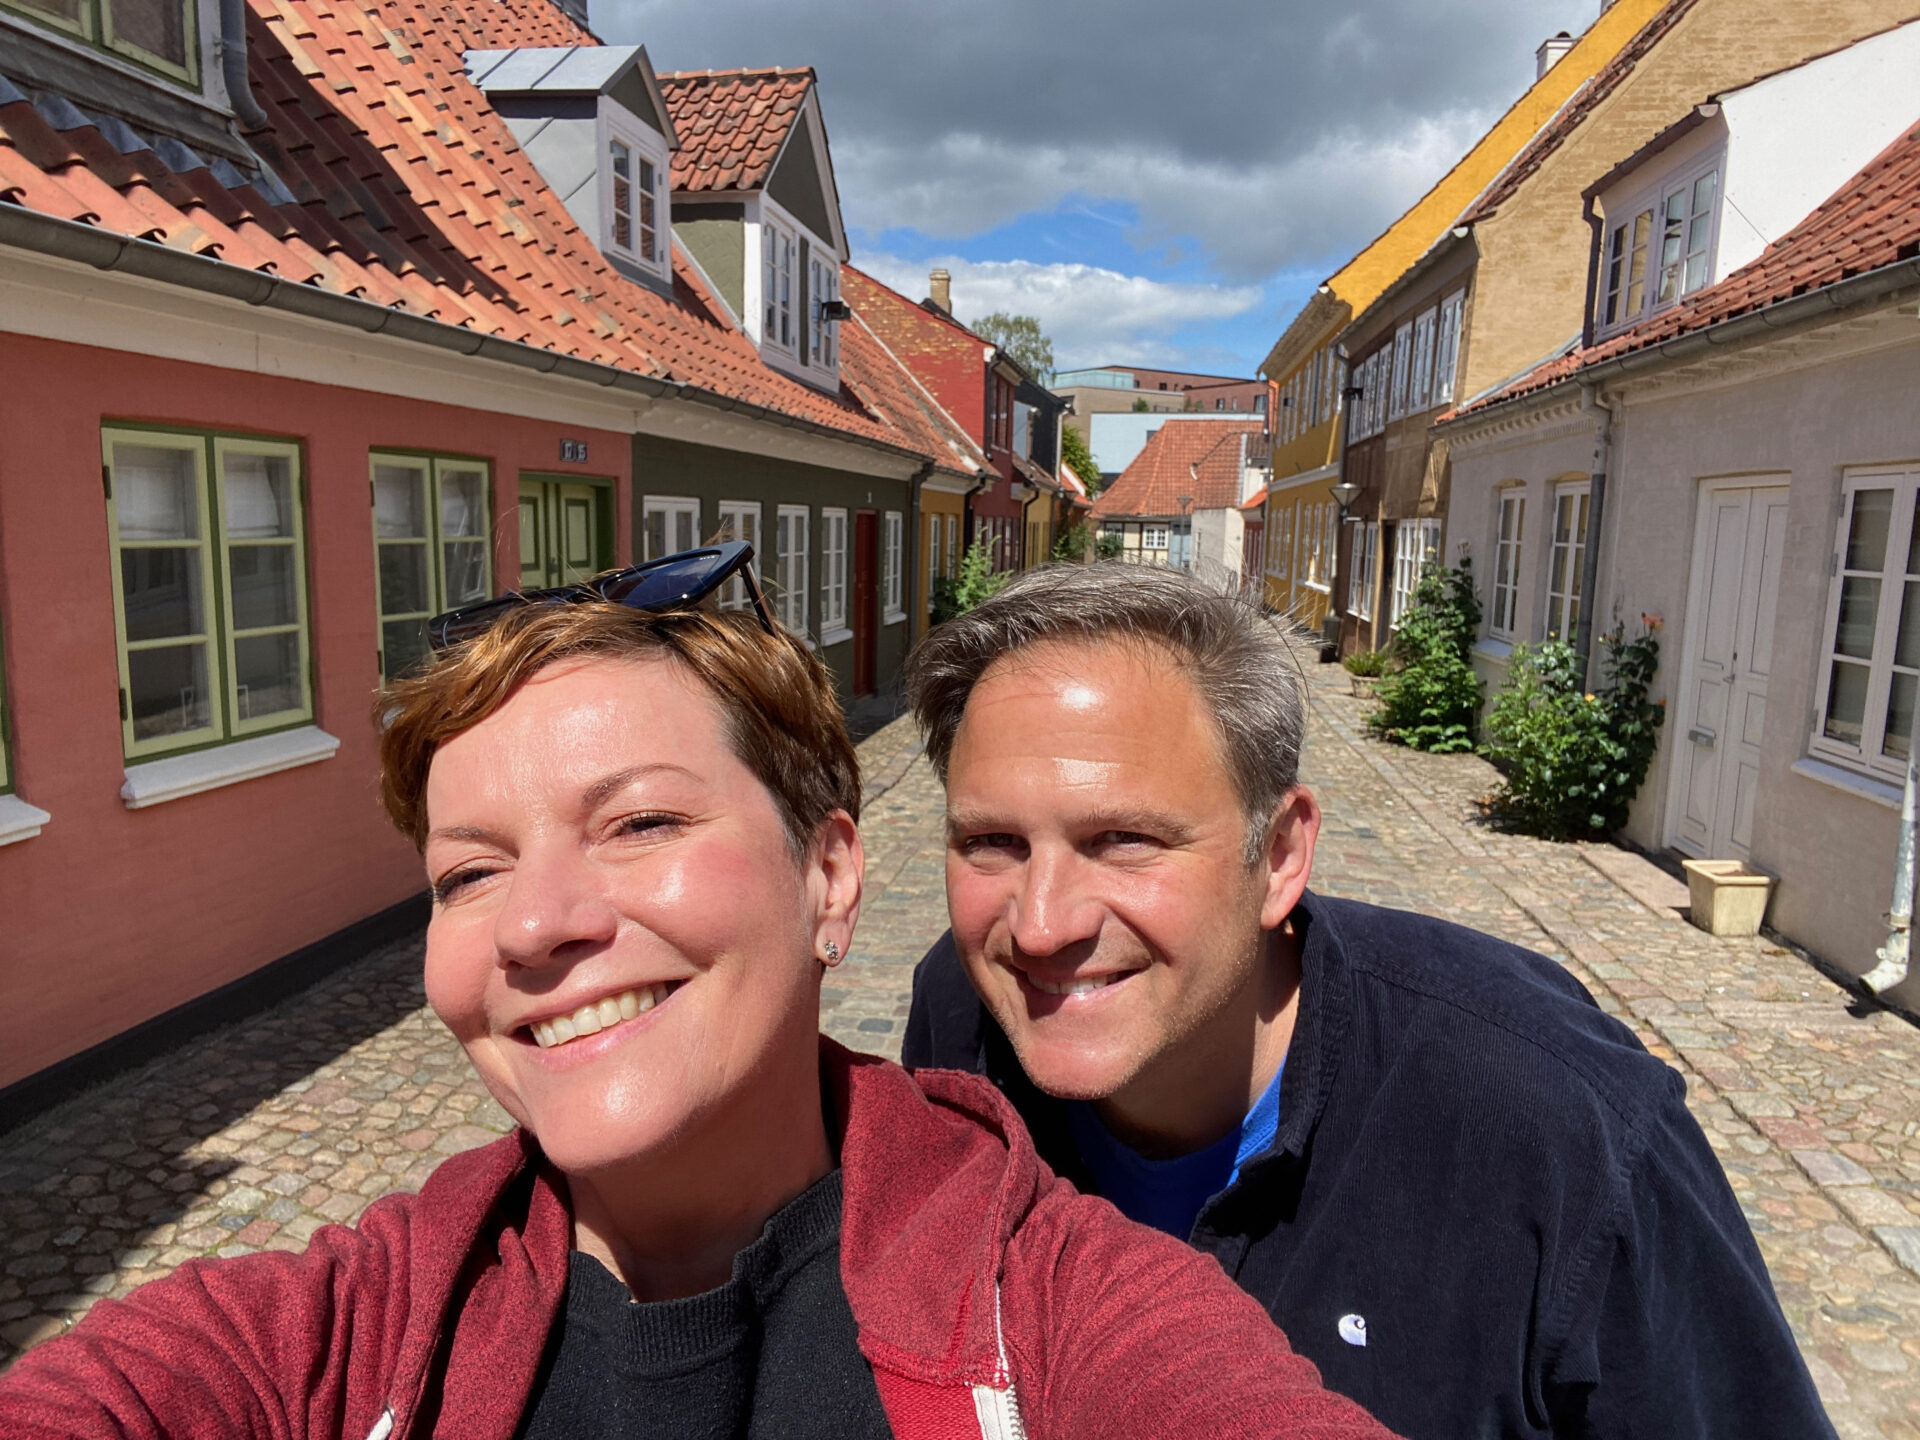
pixel 783 719
pixel 1239 658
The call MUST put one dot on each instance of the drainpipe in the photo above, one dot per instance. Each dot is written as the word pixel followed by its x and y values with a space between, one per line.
pixel 910 556
pixel 233 65
pixel 1892 968
pixel 1606 410
pixel 1594 246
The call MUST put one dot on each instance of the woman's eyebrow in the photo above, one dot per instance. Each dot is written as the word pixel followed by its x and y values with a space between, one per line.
pixel 607 786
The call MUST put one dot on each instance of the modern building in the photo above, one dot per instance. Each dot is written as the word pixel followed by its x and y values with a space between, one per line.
pixel 1126 389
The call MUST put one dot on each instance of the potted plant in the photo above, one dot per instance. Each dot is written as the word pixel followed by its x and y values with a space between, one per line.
pixel 1364 667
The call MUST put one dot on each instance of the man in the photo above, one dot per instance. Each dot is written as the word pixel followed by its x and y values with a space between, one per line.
pixel 1465 1192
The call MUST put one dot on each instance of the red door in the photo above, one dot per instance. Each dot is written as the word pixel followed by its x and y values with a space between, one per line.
pixel 866 572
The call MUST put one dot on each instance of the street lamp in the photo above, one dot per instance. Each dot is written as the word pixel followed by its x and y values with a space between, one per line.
pixel 1344 494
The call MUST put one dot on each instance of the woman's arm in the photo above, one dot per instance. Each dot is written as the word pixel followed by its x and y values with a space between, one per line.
pixel 1117 1330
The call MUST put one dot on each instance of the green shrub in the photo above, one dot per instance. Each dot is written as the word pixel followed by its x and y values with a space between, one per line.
pixel 976 580
pixel 1365 663
pixel 1573 759
pixel 1071 543
pixel 1432 700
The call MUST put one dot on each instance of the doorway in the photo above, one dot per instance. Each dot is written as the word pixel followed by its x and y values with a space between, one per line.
pixel 566 531
pixel 866 569
pixel 1729 656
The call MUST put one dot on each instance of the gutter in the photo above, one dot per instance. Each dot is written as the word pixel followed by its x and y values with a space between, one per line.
pixel 1796 312
pixel 26 229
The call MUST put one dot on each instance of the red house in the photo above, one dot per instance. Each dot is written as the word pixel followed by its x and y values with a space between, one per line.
pixel 298 345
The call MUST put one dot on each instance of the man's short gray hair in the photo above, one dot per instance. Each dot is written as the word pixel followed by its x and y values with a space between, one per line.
pixel 1239 658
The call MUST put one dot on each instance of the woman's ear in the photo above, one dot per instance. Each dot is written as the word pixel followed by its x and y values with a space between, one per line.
pixel 835 876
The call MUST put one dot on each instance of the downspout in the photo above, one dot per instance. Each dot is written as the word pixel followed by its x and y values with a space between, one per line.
pixel 916 624
pixel 1599 229
pixel 1350 393
pixel 233 65
pixel 1892 968
pixel 1604 408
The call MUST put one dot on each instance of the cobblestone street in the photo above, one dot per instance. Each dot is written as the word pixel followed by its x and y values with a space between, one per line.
pixel 256 1136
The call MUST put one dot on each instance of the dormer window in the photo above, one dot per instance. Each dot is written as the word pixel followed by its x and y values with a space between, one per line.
pixel 823 291
pixel 160 35
pixel 1661 249
pixel 633 207
pixel 778 290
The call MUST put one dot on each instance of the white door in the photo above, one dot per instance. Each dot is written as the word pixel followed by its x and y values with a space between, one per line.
pixel 1736 580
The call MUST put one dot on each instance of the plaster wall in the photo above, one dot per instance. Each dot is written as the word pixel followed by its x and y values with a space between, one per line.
pixel 1830 845
pixel 110 916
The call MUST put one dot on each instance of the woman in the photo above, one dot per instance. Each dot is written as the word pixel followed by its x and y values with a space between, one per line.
pixel 640 832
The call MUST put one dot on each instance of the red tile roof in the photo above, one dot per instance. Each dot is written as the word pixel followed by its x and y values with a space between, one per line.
pixel 402 187
pixel 731 123
pixel 1575 112
pixel 889 390
pixel 1871 221
pixel 1198 458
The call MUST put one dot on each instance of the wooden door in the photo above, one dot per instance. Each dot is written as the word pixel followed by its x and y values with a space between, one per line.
pixel 562 538
pixel 1736 582
pixel 533 535
pixel 866 571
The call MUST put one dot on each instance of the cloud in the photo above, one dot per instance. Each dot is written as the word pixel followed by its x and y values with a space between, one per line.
pixel 1271 132
pixel 1093 316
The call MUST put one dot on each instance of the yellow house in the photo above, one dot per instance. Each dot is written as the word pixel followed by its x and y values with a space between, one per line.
pixel 1308 372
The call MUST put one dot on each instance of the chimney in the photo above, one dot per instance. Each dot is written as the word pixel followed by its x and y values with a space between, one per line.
pixel 940 290
pixel 1549 53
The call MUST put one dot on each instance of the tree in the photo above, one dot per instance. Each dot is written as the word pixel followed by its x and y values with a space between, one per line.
pixel 1021 337
pixel 1078 458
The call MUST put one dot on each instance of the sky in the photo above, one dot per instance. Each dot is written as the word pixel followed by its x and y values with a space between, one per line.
pixel 1160 184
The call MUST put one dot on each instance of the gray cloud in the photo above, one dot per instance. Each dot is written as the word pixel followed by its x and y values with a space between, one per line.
pixel 1276 134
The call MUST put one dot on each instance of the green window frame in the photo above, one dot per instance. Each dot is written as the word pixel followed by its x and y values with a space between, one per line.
pixel 208 536
pixel 432 528
pixel 157 35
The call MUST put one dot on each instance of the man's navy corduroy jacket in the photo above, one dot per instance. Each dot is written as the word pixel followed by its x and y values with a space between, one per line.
pixel 1487 1210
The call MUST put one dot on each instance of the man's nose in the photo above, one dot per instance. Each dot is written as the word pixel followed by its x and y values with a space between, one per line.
pixel 1052 908
pixel 554 909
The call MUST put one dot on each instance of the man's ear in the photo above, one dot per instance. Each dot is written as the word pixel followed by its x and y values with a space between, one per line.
pixel 1287 862
pixel 835 873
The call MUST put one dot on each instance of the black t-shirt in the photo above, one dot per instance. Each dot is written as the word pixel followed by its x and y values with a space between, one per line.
pixel 770 1353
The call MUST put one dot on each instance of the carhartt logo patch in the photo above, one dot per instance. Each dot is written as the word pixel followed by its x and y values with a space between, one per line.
pixel 1353 1329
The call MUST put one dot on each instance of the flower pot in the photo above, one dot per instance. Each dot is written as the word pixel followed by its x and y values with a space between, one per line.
pixel 1727 898
pixel 1363 686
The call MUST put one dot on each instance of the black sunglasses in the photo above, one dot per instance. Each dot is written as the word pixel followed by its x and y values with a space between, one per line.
pixel 669 583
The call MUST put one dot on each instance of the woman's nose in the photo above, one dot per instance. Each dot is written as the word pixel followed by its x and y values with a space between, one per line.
pixel 1050 907
pixel 554 907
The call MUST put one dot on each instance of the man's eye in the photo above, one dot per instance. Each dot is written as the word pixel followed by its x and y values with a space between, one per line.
pixel 992 840
pixel 1125 837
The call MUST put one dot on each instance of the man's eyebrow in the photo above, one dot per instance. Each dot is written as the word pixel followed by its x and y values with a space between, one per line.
pixel 1175 831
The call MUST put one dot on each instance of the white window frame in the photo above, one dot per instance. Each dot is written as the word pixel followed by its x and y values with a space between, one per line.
pixel 779 246
pixel 833 575
pixel 892 567
pixel 1402 364
pixel 740 520
pixel 1365 549
pixel 793 557
pixel 1155 537
pixel 1641 233
pixel 1420 377
pixel 1508 546
pixel 1446 346
pixel 213 546
pixel 668 507
pixel 650 150
pixel 1565 559
pixel 1416 545
pixel 1882 663
pixel 823 287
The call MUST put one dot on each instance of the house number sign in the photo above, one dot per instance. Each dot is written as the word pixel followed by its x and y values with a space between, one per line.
pixel 574 451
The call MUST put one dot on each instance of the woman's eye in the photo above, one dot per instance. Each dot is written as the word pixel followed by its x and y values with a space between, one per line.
pixel 645 824
pixel 448 886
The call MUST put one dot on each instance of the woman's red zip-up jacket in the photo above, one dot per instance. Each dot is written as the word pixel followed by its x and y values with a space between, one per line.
pixel 989 1296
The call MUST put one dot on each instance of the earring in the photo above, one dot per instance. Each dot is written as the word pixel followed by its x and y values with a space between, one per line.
pixel 832 956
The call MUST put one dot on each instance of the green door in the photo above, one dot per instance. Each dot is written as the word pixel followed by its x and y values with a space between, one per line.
pixel 564 534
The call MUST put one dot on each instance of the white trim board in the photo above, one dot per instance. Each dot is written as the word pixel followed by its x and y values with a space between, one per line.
pixel 154 782
pixel 19 820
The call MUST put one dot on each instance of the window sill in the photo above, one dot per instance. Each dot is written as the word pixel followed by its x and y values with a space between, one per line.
pixel 835 636
pixel 1867 787
pixel 893 617
pixel 1494 648
pixel 154 782
pixel 19 820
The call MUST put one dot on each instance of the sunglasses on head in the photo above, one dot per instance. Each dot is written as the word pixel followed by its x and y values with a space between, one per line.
pixel 672 582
